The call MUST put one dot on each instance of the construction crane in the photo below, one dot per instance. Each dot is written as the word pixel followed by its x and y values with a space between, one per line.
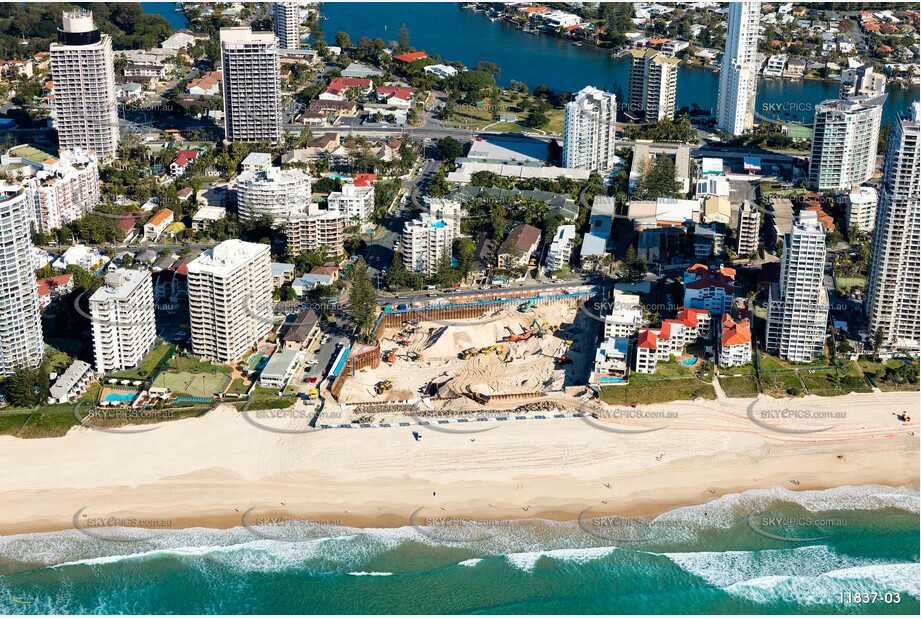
pixel 540 329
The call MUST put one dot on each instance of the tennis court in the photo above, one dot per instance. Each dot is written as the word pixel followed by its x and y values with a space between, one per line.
pixel 203 384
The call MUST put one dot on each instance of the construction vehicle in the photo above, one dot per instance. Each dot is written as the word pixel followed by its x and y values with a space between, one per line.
pixel 400 340
pixel 383 386
pixel 512 336
pixel 540 329
pixel 313 393
pixel 389 356
pixel 563 359
pixel 414 356
pixel 471 352
pixel 527 306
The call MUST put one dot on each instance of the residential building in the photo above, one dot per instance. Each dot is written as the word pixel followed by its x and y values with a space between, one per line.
pixel 625 317
pixel 775 66
pixel 748 227
pixel 658 344
pixel 122 317
pixel 310 281
pixel 72 383
pixel 315 228
pixel 355 201
pixel 893 306
pixel 83 71
pixel 441 70
pixel 206 217
pixel 281 274
pixel 798 303
pixel 739 69
pixel 280 369
pixel 53 288
pixel 340 86
pixel 157 223
pixel 653 84
pixel 252 86
pixel 716 210
pixel 21 344
pixel 862 81
pixel 861 208
pixel 844 138
pixel 708 239
pixel 288 24
pixel 734 343
pixel 303 332
pixel 230 299
pixel 273 193
pixel 256 162
pixel 595 241
pixel 589 130
pixel 208 85
pixel 611 360
pixel 518 247
pixel 712 289
pixel 181 162
pixel 663 245
pixel 426 242
pixel 560 249
pixel 63 190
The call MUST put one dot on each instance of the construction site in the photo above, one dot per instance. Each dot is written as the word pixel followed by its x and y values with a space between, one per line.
pixel 510 351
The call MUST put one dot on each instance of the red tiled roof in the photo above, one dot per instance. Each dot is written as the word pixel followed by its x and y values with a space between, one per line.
pixel 735 333
pixel 160 217
pixel 364 180
pixel 412 57
pixel 722 277
pixel 647 339
pixel 400 92
pixel 126 221
pixel 184 157
pixel 45 285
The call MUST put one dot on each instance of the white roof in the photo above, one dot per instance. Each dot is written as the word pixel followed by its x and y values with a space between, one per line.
pixel 227 257
pixel 120 284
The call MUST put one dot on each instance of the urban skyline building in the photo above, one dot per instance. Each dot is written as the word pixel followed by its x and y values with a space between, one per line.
pixel 893 305
pixel 252 85
pixel 748 228
pixel 844 139
pixel 589 124
pixel 653 84
pixel 287 24
pixel 122 317
pixel 426 240
pixel 798 303
pixel 273 193
pixel 63 190
pixel 83 71
pixel 230 299
pixel 738 83
pixel 21 344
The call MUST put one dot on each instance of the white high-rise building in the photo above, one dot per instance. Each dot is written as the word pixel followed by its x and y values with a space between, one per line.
pixel 861 208
pixel 425 241
pixel 83 70
pixel 748 226
pixel 230 299
pixel 122 316
pixel 844 137
pixel 589 130
pixel 893 305
pixel 252 86
pixel 288 24
pixel 798 304
pixel 63 191
pixel 735 110
pixel 653 84
pixel 273 193
pixel 21 344
pixel 355 202
pixel 862 81
pixel 560 249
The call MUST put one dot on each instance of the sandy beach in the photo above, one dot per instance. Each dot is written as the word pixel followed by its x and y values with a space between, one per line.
pixel 209 471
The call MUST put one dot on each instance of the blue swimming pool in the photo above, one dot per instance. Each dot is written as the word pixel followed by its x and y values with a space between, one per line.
pixel 609 380
pixel 690 361
pixel 119 397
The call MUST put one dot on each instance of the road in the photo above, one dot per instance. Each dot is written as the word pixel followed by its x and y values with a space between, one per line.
pixel 475 294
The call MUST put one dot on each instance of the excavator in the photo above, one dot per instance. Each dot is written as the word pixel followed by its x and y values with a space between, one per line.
pixel 535 329
pixel 527 306
pixel 563 359
pixel 389 356
pixel 471 352
pixel 414 356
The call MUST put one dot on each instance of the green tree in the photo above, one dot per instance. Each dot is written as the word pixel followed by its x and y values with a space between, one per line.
pixel 634 266
pixel 343 40
pixel 27 388
pixel 362 298
pixel 449 148
pixel 403 37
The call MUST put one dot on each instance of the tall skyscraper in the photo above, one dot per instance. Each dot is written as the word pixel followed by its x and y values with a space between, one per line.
pixel 230 299
pixel 798 304
pixel 589 130
pixel 748 226
pixel 122 316
pixel 83 70
pixel 844 137
pixel 738 86
pixel 893 305
pixel 21 342
pixel 252 86
pixel 653 84
pixel 425 242
pixel 288 24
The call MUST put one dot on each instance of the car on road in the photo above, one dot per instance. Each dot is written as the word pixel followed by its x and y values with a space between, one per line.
pixel 313 361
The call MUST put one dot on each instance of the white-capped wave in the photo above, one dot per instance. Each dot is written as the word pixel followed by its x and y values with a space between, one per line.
pixel 370 573
pixel 526 561
pixel 470 563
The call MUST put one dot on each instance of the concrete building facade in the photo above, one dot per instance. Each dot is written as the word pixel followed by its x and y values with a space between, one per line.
pixel 123 324
pixel 589 130
pixel 739 70
pixel 252 86
pixel 653 84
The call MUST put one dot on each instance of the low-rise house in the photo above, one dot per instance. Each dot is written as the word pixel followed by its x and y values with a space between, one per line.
pixel 303 332
pixel 611 360
pixel 183 158
pixel 441 70
pixel 157 224
pixel 709 239
pixel 411 57
pixel 625 317
pixel 88 258
pixel 658 344
pixel 734 345
pixel 339 86
pixel 208 85
pixel 280 369
pixel 360 71
pixel 518 246
pixel 309 282
pixel 395 96
pixel 206 217
pixel 71 384
pixel 601 221
pixel 256 162
pixel 281 274
pixel 52 288
pixel 662 245
pixel 716 210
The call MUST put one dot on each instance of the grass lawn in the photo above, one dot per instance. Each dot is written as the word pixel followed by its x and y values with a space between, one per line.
pixel 479 117
pixel 744 386
pixel 194 365
pixel 876 371
pixel 10 424
pixel 265 404
pixel 766 362
pixel 669 369
pixel 58 360
pixel 824 383
pixel 745 370
pixel 147 366
pixel 238 387
pixel 657 391
pixel 780 383
pixel 844 284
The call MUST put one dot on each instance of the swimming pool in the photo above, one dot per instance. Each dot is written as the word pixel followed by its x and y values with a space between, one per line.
pixel 610 380
pixel 119 397
pixel 690 361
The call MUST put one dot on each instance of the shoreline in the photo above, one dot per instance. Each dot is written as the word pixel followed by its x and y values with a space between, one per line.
pixel 209 471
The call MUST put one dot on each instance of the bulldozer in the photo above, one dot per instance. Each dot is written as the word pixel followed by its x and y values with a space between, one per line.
pixel 383 386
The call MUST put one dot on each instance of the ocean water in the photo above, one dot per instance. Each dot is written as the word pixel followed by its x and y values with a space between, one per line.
pixel 766 551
